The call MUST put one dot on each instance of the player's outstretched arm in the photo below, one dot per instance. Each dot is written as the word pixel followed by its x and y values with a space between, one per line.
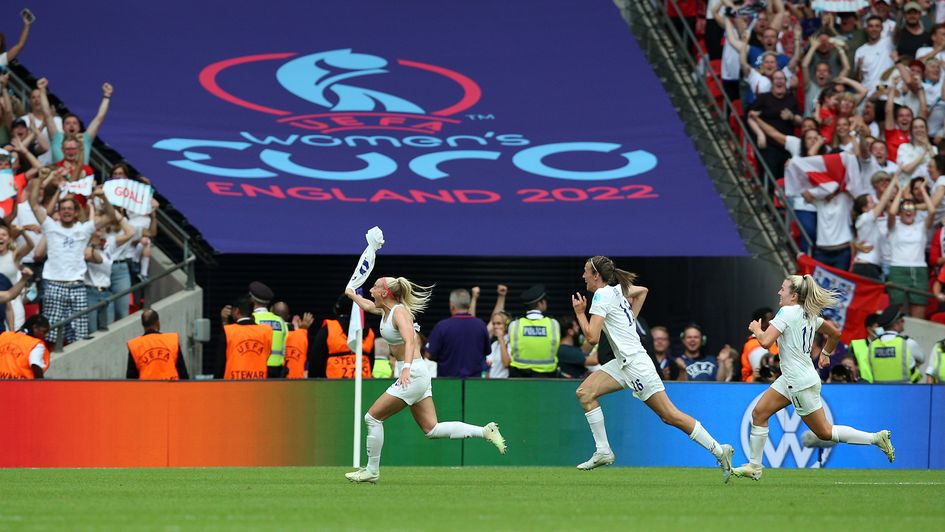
pixel 366 304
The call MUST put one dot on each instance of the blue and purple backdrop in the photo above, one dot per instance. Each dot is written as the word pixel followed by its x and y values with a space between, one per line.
pixel 461 128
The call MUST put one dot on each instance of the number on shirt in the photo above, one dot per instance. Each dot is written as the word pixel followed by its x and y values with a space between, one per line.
pixel 807 341
pixel 625 306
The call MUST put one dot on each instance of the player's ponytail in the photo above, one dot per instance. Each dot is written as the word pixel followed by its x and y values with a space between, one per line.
pixel 611 274
pixel 811 296
pixel 412 296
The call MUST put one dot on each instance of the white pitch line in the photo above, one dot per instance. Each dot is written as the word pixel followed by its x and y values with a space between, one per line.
pixel 890 483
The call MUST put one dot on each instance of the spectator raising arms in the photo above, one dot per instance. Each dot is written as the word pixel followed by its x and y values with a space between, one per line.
pixel 64 272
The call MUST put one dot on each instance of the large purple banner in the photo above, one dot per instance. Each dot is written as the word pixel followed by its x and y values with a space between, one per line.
pixel 460 128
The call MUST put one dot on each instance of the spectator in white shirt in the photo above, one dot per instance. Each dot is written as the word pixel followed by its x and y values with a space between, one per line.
pixel 98 259
pixel 873 58
pixel 65 267
pixel 907 240
pixel 914 156
pixel 866 216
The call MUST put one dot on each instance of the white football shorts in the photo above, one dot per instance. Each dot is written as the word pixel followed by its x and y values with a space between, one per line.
pixel 638 374
pixel 420 386
pixel 806 401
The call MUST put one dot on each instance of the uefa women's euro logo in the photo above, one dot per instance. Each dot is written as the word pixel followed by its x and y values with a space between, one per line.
pixel 335 82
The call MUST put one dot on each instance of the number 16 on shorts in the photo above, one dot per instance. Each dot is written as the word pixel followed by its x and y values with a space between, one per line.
pixel 636 385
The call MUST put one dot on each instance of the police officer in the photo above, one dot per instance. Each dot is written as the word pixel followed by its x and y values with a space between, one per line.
pixel 935 371
pixel 155 355
pixel 893 356
pixel 262 296
pixel 534 339
pixel 861 347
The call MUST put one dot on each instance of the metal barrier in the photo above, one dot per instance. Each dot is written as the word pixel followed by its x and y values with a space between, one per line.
pixel 685 42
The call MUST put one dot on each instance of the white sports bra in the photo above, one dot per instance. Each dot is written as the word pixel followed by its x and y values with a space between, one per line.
pixel 390 332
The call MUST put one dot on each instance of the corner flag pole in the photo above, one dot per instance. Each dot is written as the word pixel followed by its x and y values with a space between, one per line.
pixel 375 239
pixel 356 459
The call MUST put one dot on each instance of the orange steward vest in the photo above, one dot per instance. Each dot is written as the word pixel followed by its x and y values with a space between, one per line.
pixel 748 374
pixel 15 348
pixel 247 351
pixel 341 361
pixel 156 356
pixel 296 353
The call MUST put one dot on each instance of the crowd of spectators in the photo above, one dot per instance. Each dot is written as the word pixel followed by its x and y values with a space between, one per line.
pixel 866 82
pixel 56 223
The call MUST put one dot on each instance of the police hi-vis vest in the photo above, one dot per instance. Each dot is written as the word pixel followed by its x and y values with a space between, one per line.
pixel 861 351
pixel 890 360
pixel 279 332
pixel 938 363
pixel 533 344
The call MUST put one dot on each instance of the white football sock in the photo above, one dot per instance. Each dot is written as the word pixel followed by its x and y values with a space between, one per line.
pixel 703 438
pixel 375 441
pixel 756 444
pixel 595 418
pixel 455 430
pixel 844 434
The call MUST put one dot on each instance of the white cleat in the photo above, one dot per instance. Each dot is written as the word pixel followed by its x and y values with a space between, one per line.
pixel 748 471
pixel 725 462
pixel 491 434
pixel 597 459
pixel 885 444
pixel 362 475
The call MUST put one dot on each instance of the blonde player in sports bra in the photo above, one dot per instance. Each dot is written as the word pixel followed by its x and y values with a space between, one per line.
pixel 798 320
pixel 397 300
pixel 616 303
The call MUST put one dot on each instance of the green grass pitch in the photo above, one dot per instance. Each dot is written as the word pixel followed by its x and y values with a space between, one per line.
pixel 470 498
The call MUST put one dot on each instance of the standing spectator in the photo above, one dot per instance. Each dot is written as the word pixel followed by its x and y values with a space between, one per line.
pixel 914 156
pixel 98 261
pixel 65 267
pixel 571 359
pixel 261 295
pixel 877 160
pixel 329 355
pixel 937 48
pixel 534 339
pixel 70 125
pixel 460 343
pixel 247 346
pixel 893 357
pixel 880 8
pixel 779 109
pixel 6 56
pixel 11 257
pixel 23 354
pixel 752 352
pixel 911 35
pixel 498 360
pixel 296 341
pixel 696 366
pixel 873 58
pixel 869 239
pixel 907 241
pixel 155 355
pixel 834 236
pixel 898 122
pixel 664 360
pixel 932 84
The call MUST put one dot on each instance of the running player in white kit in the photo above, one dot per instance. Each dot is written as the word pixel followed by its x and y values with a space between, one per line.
pixel 801 300
pixel 616 303
pixel 396 300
